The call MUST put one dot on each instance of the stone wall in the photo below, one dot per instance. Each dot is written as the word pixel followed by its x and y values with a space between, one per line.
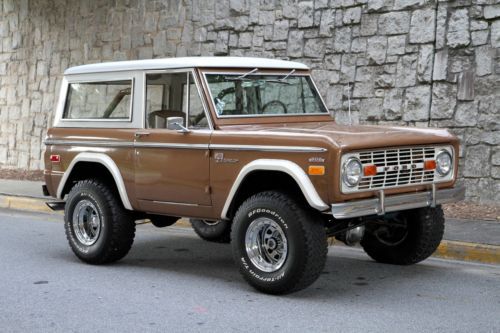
pixel 409 62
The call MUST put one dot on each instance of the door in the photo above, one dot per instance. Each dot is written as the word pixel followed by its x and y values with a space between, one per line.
pixel 171 165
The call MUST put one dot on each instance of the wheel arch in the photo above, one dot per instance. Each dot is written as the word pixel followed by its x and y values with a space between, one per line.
pixel 100 160
pixel 283 172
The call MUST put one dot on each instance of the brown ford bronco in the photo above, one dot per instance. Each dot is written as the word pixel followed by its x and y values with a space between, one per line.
pixel 246 149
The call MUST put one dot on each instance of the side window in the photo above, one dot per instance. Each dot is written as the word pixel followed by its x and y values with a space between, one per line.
pixel 164 98
pixel 173 95
pixel 99 100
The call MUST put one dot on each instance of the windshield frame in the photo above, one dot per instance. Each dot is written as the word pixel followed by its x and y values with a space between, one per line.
pixel 262 72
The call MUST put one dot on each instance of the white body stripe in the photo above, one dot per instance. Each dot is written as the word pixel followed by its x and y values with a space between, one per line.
pixel 108 163
pixel 288 167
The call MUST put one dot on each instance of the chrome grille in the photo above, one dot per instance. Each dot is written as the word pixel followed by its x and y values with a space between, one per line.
pixel 409 162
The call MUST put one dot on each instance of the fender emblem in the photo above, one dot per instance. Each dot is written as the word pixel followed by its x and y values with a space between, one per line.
pixel 316 159
pixel 219 158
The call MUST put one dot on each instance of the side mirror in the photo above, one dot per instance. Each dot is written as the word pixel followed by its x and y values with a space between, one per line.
pixel 176 124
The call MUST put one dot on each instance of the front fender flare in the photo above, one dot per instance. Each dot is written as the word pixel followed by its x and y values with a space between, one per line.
pixel 285 166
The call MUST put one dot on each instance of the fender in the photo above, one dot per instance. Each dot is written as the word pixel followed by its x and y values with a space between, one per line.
pixel 108 163
pixel 285 166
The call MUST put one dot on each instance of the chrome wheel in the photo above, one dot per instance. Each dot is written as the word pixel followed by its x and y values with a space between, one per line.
pixel 86 222
pixel 266 244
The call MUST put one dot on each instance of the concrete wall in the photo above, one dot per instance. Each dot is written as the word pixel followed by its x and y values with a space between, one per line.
pixel 411 62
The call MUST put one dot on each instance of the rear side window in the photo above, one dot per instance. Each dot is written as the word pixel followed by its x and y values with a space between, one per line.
pixel 99 100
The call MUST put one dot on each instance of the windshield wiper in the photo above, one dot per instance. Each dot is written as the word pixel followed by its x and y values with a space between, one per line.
pixel 244 77
pixel 241 77
pixel 286 76
pixel 282 80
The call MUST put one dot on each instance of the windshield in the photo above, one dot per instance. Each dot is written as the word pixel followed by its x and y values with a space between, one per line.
pixel 264 95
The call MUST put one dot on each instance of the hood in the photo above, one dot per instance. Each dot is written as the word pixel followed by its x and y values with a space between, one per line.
pixel 355 136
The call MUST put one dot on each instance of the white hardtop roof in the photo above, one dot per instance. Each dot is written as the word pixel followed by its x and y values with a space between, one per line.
pixel 186 62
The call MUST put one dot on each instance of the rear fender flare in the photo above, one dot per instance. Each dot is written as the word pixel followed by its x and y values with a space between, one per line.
pixel 105 161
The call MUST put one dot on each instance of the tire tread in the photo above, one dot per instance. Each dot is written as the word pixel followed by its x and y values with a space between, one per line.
pixel 121 223
pixel 429 233
pixel 314 239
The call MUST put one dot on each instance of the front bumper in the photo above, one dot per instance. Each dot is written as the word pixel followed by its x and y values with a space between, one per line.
pixel 383 204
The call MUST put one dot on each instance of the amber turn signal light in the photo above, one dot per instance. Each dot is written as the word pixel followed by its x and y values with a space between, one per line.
pixel 370 170
pixel 316 170
pixel 430 165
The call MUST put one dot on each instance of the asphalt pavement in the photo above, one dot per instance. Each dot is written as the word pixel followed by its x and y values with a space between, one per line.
pixel 172 281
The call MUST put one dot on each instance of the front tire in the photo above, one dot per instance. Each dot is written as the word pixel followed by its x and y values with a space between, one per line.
pixel 408 238
pixel 279 246
pixel 99 230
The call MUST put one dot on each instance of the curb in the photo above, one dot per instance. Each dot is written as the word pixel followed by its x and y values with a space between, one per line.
pixel 24 203
pixel 453 250
pixel 484 253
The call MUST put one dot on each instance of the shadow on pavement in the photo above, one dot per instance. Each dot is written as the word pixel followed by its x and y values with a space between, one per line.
pixel 347 274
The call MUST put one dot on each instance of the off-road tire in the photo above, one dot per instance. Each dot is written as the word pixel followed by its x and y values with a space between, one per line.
pixel 117 226
pixel 305 235
pixel 161 221
pixel 217 232
pixel 425 232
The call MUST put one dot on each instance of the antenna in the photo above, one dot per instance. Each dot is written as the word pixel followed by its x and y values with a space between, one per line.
pixel 349 102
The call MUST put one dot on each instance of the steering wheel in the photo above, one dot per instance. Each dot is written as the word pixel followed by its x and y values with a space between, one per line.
pixel 274 103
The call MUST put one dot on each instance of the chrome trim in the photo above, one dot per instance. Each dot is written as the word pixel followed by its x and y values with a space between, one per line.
pixel 385 204
pixel 320 97
pixel 444 151
pixel 171 145
pixel 126 144
pixel 344 173
pixel 130 144
pixel 290 168
pixel 374 187
pixel 175 203
pixel 291 149
pixel 85 143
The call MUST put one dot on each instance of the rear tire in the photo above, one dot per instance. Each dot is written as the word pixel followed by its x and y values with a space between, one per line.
pixel 98 228
pixel 419 233
pixel 279 246
pixel 212 231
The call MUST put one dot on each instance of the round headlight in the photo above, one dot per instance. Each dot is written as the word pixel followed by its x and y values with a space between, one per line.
pixel 443 163
pixel 352 172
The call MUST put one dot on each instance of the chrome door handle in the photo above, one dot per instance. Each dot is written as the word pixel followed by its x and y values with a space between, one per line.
pixel 141 134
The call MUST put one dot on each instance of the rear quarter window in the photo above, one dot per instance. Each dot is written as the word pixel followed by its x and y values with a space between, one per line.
pixel 99 100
